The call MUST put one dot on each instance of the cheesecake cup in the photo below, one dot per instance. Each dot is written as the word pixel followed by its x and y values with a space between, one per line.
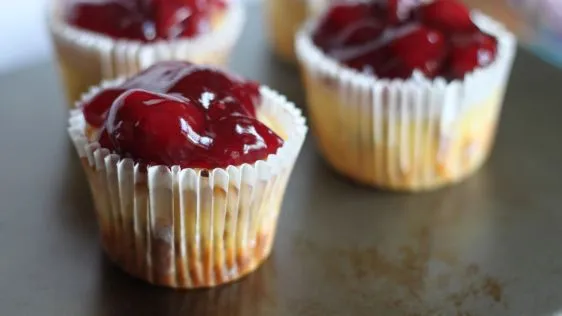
pixel 190 228
pixel 406 135
pixel 85 58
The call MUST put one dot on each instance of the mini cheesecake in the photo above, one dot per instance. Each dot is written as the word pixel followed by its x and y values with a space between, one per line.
pixel 405 95
pixel 187 166
pixel 105 39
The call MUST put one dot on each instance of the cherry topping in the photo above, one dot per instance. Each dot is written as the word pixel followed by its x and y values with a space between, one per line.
pixel 480 51
pixel 423 49
pixel 395 12
pixel 359 33
pixel 338 18
pixel 342 14
pixel 247 94
pixel 114 18
pixel 203 85
pixel 155 128
pixel 207 85
pixel 226 107
pixel 393 38
pixel 104 139
pixel 95 111
pixel 199 83
pixel 369 60
pixel 195 116
pixel 448 16
pixel 144 20
pixel 392 11
pixel 159 77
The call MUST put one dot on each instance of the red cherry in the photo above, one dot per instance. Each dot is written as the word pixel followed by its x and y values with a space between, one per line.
pixel 423 49
pixel 198 83
pixel 322 39
pixel 448 16
pixel 338 17
pixel 159 77
pixel 168 18
pixel 144 20
pixel 206 118
pixel 359 33
pixel 365 59
pixel 155 128
pixel 385 37
pixel 467 56
pixel 394 69
pixel 248 94
pixel 95 111
pixel 105 140
pixel 238 140
pixel 207 84
pixel 118 18
pixel 228 106
pixel 174 19
pixel 465 39
pixel 202 84
pixel 392 11
pixel 341 15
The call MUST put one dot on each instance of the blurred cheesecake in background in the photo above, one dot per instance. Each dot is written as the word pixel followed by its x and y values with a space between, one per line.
pixel 100 40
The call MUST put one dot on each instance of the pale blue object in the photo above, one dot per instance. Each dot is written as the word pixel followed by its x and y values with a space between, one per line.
pixel 544 18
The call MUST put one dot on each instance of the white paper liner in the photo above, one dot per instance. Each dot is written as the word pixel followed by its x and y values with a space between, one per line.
pixel 374 142
pixel 189 228
pixel 122 57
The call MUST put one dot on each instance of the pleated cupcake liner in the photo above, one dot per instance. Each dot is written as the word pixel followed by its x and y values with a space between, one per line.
pixel 190 228
pixel 413 134
pixel 86 58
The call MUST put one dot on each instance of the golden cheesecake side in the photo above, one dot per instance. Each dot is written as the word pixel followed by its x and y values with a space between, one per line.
pixel 284 18
pixel 413 154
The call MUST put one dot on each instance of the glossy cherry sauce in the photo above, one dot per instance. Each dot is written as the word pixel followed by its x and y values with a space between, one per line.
pixel 144 20
pixel 392 38
pixel 176 113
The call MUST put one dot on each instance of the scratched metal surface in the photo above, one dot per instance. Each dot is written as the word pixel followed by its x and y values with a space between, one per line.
pixel 489 246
